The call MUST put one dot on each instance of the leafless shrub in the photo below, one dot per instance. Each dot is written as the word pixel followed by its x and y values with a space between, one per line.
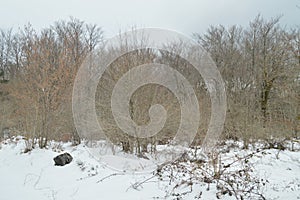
pixel 234 178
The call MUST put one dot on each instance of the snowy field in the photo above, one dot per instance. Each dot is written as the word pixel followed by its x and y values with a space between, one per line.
pixel 32 175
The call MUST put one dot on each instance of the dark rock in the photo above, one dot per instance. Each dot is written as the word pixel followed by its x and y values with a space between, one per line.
pixel 63 159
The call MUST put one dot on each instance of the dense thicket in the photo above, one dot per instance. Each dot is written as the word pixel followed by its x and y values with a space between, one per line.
pixel 260 65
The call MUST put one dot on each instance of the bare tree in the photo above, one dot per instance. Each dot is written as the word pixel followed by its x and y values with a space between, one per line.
pixel 45 65
pixel 258 65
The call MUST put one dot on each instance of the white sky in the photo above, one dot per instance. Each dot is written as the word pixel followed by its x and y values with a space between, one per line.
pixel 186 16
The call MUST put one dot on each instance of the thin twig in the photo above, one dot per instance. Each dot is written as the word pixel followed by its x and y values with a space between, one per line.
pixel 106 177
pixel 137 184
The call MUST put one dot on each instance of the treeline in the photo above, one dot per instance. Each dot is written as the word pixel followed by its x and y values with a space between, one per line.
pixel 260 65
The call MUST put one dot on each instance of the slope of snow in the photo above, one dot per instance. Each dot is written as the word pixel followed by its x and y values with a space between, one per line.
pixel 32 175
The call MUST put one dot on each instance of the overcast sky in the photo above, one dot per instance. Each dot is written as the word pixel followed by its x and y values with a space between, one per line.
pixel 186 16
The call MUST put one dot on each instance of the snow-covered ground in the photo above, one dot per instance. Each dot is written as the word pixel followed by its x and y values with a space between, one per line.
pixel 32 175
